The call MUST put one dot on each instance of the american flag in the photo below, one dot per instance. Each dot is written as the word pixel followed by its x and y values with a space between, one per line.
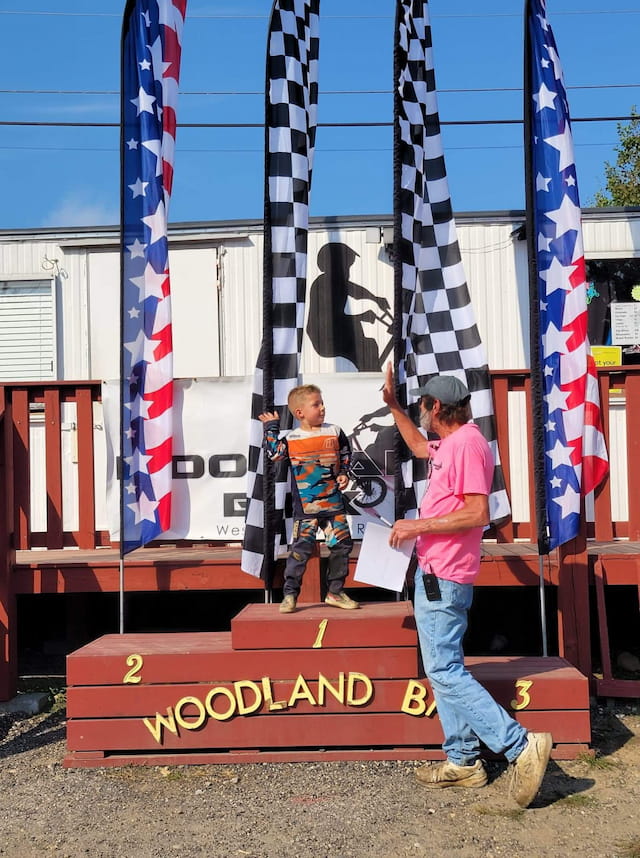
pixel 575 453
pixel 152 33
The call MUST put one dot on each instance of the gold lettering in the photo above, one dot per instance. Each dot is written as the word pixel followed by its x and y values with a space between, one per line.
pixel 321 630
pixel 156 728
pixel 414 698
pixel 244 708
pixel 268 696
pixel 225 692
pixel 301 691
pixel 325 685
pixel 266 689
pixel 352 699
pixel 190 724
pixel 135 662
pixel 522 689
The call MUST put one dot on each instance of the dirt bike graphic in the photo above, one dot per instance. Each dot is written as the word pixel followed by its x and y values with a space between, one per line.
pixel 370 486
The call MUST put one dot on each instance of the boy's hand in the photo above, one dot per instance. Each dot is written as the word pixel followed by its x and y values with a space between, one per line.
pixel 343 481
pixel 388 388
pixel 266 416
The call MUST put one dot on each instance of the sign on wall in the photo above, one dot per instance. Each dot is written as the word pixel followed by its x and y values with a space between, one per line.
pixel 625 323
pixel 211 437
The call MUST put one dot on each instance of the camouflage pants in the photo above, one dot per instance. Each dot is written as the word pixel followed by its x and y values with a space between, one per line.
pixel 337 539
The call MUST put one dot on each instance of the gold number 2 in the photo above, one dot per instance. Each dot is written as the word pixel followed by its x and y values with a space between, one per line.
pixel 317 644
pixel 135 663
pixel 522 690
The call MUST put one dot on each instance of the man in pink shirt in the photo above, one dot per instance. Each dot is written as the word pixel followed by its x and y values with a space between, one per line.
pixel 448 533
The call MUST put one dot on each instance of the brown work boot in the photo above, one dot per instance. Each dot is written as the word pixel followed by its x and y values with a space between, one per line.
pixel 441 775
pixel 288 605
pixel 341 600
pixel 529 768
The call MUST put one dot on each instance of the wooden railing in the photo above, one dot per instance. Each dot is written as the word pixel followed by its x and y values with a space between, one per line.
pixel 24 405
pixel 47 481
pixel 21 407
pixel 618 387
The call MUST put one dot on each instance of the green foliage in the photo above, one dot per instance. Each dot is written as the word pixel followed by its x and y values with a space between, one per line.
pixel 623 177
pixel 595 761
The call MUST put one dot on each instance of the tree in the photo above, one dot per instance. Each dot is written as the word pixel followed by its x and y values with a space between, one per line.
pixel 623 177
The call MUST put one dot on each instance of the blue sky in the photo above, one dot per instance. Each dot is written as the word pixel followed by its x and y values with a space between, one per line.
pixel 69 176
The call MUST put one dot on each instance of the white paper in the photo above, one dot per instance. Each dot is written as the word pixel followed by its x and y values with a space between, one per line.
pixel 380 564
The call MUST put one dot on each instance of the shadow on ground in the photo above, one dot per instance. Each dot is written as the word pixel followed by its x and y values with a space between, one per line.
pixel 50 729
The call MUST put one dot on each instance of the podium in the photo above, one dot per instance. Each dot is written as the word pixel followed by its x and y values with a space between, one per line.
pixel 319 684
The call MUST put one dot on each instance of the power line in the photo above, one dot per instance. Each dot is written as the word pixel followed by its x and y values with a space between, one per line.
pixel 245 150
pixel 222 17
pixel 240 125
pixel 260 92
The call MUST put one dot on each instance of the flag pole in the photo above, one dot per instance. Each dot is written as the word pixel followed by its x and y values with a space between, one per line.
pixel 268 403
pixel 120 462
pixel 537 415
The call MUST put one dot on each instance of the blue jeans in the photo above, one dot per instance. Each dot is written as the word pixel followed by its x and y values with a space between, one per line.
pixel 468 713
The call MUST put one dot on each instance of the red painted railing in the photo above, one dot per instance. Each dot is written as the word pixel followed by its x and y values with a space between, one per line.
pixel 21 403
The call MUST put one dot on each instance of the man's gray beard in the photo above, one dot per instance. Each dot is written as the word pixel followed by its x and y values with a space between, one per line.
pixel 425 420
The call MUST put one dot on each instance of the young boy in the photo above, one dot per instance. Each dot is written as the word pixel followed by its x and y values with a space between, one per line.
pixel 319 455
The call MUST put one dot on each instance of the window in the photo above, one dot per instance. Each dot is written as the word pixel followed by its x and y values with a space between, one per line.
pixel 614 281
pixel 27 330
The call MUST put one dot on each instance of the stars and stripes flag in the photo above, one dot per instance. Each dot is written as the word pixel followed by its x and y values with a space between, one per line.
pixel 290 129
pixel 436 332
pixel 575 453
pixel 151 48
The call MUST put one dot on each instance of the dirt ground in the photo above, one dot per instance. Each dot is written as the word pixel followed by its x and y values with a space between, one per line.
pixel 588 807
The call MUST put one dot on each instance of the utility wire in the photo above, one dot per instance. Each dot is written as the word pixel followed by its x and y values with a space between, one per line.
pixel 238 125
pixel 236 17
pixel 256 92
pixel 249 151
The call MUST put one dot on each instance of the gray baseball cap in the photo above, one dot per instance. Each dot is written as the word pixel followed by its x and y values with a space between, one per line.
pixel 447 388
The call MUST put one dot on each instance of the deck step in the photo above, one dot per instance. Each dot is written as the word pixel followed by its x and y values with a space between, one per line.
pixel 318 684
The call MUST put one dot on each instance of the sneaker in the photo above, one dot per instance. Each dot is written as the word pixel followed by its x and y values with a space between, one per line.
pixel 529 768
pixel 441 775
pixel 341 600
pixel 288 605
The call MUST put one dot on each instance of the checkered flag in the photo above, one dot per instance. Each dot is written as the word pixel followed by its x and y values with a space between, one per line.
pixel 290 128
pixel 438 331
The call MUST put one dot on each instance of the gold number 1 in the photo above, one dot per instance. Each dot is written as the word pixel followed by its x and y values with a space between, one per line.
pixel 317 644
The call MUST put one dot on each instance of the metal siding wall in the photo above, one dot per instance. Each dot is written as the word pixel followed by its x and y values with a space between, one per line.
pixel 194 303
pixel 241 322
pixel 495 264
pixel 103 289
pixel 35 257
pixel 611 238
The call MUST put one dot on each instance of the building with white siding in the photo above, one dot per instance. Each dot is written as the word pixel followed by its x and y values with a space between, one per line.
pixel 59 290
pixel 60 296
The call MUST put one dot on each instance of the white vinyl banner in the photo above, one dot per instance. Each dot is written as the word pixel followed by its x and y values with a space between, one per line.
pixel 211 438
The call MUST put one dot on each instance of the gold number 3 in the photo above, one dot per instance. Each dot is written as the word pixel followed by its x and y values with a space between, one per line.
pixel 522 690
pixel 135 663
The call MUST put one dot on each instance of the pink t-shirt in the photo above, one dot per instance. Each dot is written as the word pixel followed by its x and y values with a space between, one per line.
pixel 461 464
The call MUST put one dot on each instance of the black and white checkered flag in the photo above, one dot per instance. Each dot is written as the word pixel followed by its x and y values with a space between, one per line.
pixel 290 128
pixel 439 332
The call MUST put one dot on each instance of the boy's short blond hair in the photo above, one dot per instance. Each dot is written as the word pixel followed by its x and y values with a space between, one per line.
pixel 298 395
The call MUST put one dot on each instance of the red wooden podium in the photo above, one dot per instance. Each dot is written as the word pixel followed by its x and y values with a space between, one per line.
pixel 319 684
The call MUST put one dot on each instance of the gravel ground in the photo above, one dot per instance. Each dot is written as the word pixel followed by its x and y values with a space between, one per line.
pixel 587 807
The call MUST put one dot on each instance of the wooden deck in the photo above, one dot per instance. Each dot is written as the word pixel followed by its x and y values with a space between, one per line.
pixel 60 561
